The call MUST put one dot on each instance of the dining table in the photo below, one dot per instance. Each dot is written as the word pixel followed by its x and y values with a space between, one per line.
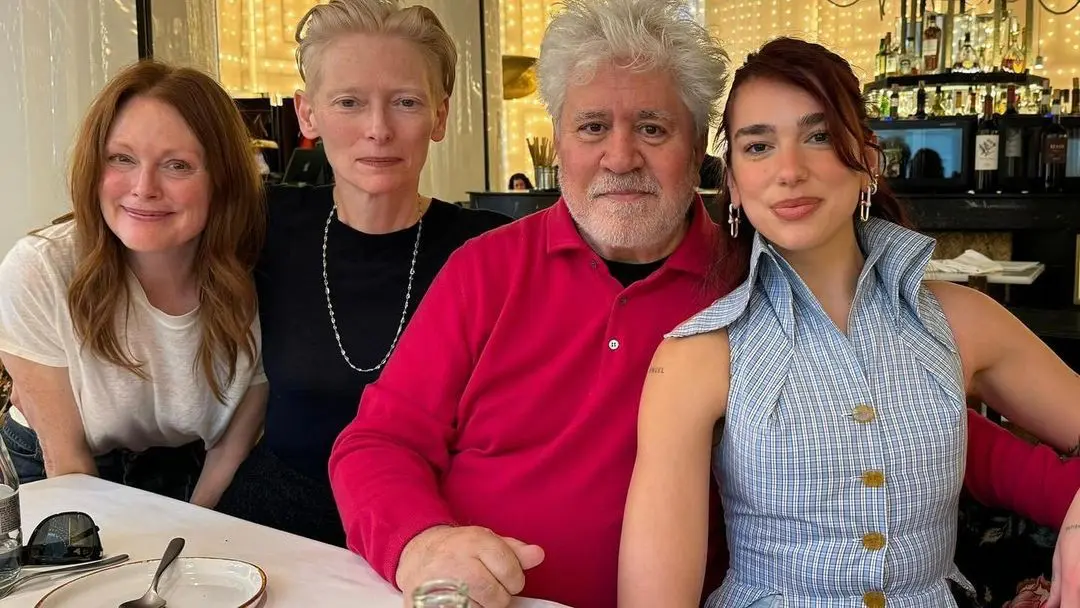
pixel 300 572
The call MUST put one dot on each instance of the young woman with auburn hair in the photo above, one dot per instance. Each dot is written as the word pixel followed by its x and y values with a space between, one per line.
pixel 830 387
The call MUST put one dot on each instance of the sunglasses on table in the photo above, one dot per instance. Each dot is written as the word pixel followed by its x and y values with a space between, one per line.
pixel 64 538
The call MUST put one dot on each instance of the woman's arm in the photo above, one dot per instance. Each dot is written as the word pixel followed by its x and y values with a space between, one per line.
pixel 1011 369
pixel 1006 472
pixel 229 452
pixel 665 528
pixel 47 401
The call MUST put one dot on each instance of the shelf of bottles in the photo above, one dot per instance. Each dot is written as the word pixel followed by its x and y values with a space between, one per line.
pixel 1025 136
pixel 954 58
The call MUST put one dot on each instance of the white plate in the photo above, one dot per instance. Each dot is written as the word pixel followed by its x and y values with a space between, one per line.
pixel 190 582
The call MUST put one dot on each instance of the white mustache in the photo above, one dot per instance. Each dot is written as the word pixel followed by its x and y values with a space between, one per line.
pixel 634 182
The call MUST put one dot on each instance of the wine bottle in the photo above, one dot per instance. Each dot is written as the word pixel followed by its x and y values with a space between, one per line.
pixel 986 149
pixel 1055 147
pixel 1012 175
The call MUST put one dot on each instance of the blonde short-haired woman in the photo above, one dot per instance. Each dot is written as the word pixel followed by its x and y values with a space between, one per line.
pixel 346 265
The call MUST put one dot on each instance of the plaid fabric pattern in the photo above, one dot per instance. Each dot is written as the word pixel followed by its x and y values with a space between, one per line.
pixel 842 456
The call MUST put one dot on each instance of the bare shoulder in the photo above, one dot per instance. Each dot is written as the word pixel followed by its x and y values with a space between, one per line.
pixel 965 307
pixel 692 372
pixel 981 326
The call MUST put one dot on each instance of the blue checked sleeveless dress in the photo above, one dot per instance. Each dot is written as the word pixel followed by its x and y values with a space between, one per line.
pixel 842 456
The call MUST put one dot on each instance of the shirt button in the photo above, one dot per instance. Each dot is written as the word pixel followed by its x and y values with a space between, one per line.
pixel 592 263
pixel 873 479
pixel 613 345
pixel 623 300
pixel 874 599
pixel 863 413
pixel 873 541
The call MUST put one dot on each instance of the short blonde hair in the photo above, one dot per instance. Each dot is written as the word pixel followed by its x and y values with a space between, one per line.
pixel 325 22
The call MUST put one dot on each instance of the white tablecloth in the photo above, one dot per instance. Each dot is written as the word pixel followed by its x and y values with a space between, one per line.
pixel 300 572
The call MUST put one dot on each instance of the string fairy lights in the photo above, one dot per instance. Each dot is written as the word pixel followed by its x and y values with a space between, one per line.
pixel 255 38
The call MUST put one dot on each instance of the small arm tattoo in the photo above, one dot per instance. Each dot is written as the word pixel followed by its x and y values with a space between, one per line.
pixel 656 370
pixel 1075 451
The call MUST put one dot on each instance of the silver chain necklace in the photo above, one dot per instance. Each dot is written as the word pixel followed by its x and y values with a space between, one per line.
pixel 404 310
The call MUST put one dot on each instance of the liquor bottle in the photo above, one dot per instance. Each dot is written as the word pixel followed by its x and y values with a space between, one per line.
pixel 879 60
pixel 909 61
pixel 931 45
pixel 1012 60
pixel 967 60
pixel 1055 150
pixel 894 102
pixel 958 103
pixel 1075 110
pixel 1044 103
pixel 10 519
pixel 938 109
pixel 920 101
pixel 441 594
pixel 986 149
pixel 1010 101
pixel 972 100
pixel 891 56
pixel 883 105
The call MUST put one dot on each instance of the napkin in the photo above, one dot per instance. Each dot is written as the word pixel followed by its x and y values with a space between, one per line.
pixel 970 262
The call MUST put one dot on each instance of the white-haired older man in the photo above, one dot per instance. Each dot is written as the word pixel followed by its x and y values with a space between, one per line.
pixel 497 445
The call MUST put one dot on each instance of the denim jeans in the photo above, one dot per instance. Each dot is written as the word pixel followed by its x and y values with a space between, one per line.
pixel 171 472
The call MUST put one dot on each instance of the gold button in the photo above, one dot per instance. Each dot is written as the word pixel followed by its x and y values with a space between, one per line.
pixel 873 479
pixel 873 541
pixel 863 413
pixel 874 599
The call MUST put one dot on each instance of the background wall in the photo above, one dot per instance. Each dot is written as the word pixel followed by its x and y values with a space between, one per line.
pixel 58 55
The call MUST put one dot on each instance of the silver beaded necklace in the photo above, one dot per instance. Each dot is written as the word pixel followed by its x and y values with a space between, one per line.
pixel 408 291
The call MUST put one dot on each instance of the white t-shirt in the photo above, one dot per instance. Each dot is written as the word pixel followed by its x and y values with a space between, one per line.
pixel 174 406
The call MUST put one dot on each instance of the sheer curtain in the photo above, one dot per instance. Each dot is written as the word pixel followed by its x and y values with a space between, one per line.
pixel 59 55
pixel 185 33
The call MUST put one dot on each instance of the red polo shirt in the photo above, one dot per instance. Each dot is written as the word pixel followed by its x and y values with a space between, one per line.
pixel 511 402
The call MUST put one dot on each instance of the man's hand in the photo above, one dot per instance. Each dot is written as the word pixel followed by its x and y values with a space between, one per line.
pixel 492 566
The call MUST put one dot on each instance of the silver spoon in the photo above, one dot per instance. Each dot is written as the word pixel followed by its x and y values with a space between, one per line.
pixel 95 565
pixel 151 599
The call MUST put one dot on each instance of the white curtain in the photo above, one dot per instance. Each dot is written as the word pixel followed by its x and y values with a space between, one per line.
pixel 59 55
pixel 185 33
